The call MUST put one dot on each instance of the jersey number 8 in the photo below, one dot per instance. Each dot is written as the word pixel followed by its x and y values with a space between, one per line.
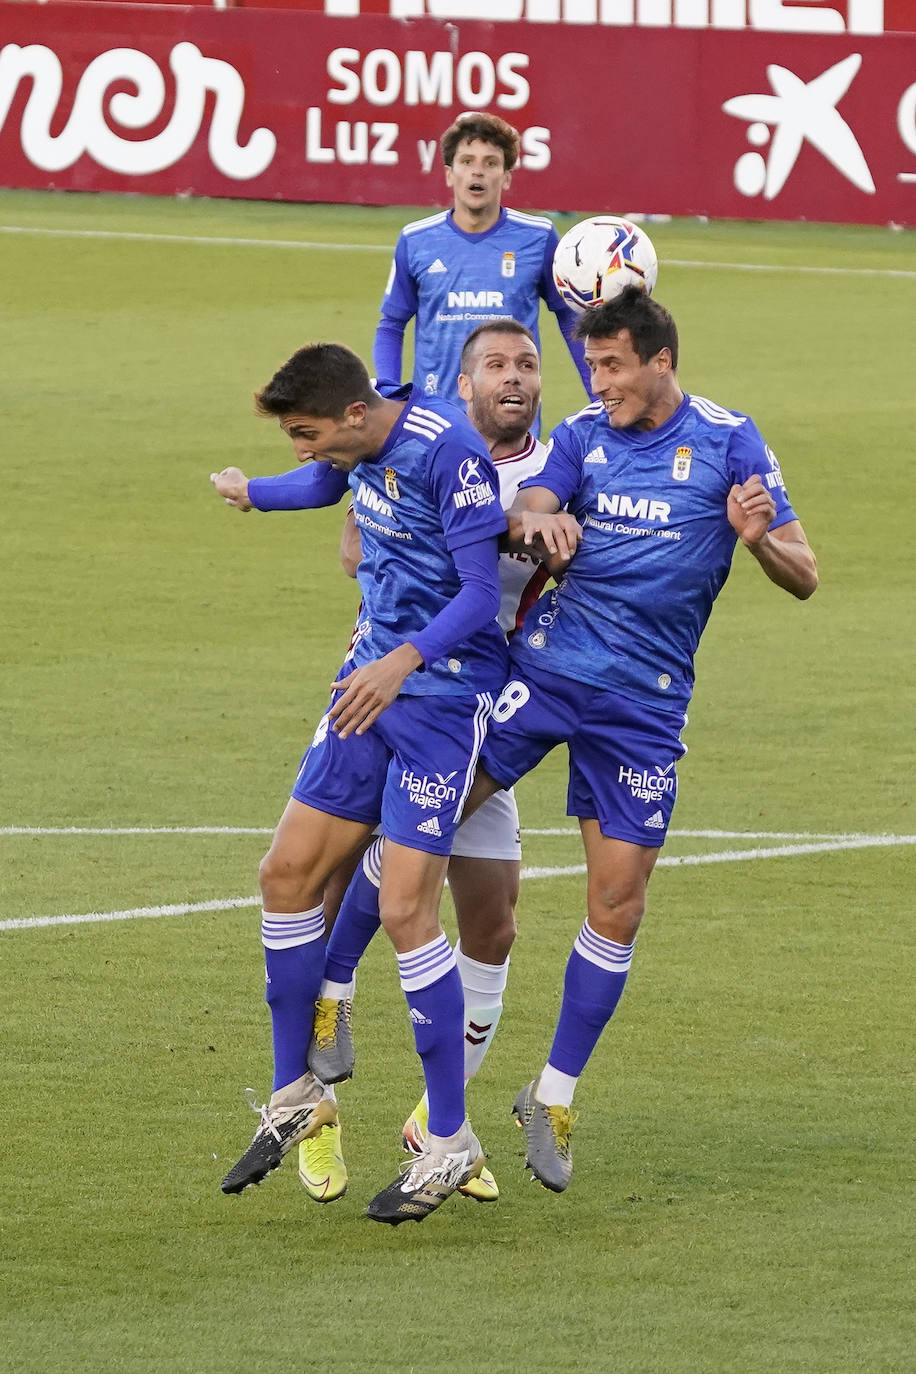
pixel 511 699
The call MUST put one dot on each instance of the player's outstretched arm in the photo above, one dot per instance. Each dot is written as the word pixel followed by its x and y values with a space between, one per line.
pixel 307 488
pixel 538 526
pixel 784 553
pixel 232 485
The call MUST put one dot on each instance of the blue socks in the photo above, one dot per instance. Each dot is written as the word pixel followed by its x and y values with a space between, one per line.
pixel 435 1000
pixel 595 977
pixel 294 958
pixel 358 918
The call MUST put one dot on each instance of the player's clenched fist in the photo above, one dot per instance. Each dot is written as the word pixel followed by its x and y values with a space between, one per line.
pixel 751 510
pixel 232 485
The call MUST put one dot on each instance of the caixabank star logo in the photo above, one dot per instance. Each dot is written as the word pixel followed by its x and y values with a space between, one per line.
pixel 794 113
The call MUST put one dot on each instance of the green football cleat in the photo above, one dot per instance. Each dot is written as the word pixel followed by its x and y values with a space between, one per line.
pixel 547 1131
pixel 322 1171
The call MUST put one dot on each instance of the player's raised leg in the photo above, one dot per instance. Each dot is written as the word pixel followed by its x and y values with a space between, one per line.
pixel 596 973
pixel 307 846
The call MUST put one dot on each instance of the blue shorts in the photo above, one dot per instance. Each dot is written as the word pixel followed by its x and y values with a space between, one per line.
pixel 622 754
pixel 411 770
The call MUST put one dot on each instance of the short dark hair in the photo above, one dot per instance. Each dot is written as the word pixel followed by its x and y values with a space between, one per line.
pixel 488 128
pixel 648 323
pixel 503 326
pixel 320 379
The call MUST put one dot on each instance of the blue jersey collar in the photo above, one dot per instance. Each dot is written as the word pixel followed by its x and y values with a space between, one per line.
pixel 476 238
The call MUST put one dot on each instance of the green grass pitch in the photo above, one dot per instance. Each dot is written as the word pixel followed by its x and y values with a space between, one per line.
pixel 742 1194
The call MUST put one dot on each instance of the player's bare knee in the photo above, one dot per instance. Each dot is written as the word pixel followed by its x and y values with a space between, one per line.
pixel 409 925
pixel 490 936
pixel 616 914
pixel 284 886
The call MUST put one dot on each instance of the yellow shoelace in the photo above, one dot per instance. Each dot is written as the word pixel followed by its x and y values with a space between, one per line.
pixel 325 1025
pixel 562 1121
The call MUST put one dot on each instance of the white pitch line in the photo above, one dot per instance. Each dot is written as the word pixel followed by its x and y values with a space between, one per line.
pixel 208 239
pixel 132 914
pixel 560 830
pixel 737 834
pixel 801 269
pixel 573 870
pixel 315 246
pixel 736 855
pixel 134 830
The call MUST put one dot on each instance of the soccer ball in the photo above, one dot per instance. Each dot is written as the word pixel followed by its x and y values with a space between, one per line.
pixel 597 258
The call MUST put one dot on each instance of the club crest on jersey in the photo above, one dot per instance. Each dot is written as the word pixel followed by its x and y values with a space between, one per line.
pixel 391 484
pixel 508 264
pixel 476 490
pixel 683 457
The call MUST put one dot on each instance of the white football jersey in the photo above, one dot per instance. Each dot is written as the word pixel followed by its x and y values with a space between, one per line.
pixel 521 578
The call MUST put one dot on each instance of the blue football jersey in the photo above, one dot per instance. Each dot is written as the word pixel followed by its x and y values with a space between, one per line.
pixel 452 281
pixel 432 489
pixel 656 550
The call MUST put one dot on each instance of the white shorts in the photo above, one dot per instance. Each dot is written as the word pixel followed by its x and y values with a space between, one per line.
pixel 492 832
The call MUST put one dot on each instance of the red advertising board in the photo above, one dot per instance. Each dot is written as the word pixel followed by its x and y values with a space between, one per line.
pixel 771 16
pixel 301 106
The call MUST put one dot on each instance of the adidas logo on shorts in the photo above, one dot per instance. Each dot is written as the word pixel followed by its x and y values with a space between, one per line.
pixel 430 827
pixel 418 1018
pixel 657 821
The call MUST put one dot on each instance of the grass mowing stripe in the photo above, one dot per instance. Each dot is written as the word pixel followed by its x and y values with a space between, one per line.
pixel 572 870
pixel 804 269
